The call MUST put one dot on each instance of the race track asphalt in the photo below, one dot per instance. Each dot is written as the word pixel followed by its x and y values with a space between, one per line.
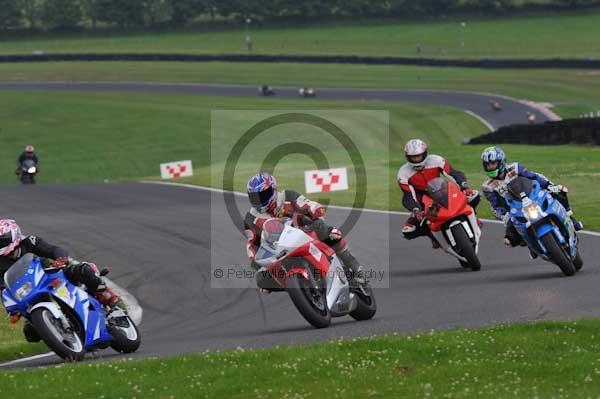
pixel 513 112
pixel 164 244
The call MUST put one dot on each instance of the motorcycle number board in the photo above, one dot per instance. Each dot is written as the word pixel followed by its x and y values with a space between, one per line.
pixel 325 180
pixel 173 170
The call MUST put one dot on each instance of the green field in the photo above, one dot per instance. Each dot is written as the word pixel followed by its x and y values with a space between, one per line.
pixel 575 91
pixel 13 344
pixel 95 137
pixel 540 360
pixel 510 37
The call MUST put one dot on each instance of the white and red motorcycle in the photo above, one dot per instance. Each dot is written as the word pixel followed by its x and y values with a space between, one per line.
pixel 311 273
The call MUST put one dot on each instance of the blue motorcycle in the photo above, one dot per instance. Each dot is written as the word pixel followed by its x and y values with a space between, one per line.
pixel 544 224
pixel 65 316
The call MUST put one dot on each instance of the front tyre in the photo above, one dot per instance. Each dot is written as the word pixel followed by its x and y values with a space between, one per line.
pixel 311 302
pixel 464 247
pixel 126 336
pixel 558 255
pixel 66 343
pixel 366 305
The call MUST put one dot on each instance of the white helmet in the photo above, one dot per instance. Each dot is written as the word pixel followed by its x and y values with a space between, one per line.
pixel 416 148
pixel 10 236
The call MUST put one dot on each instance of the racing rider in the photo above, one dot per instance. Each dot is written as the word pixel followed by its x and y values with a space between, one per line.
pixel 269 203
pixel 413 178
pixel 13 245
pixel 499 174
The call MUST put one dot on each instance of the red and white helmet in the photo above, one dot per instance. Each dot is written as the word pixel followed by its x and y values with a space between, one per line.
pixel 29 148
pixel 10 236
pixel 416 153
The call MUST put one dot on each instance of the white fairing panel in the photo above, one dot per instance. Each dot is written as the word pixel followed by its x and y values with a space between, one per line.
pixel 292 238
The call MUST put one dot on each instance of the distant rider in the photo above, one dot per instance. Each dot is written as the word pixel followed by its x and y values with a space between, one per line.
pixel 29 153
pixel 269 203
pixel 413 178
pixel 495 187
pixel 13 245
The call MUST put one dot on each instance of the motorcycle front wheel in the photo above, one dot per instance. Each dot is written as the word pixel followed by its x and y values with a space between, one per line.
pixel 311 302
pixel 67 344
pixel 464 247
pixel 558 255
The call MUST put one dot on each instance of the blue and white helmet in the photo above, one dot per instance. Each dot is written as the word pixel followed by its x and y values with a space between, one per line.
pixel 262 192
pixel 494 161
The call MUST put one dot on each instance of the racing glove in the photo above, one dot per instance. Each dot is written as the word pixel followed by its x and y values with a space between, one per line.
pixel 335 234
pixel 557 188
pixel 419 214
pixel 60 263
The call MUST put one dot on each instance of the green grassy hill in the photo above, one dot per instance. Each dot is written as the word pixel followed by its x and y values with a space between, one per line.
pixel 511 37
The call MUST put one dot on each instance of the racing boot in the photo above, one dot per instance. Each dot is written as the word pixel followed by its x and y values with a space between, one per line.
pixel 108 297
pixel 577 224
pixel 352 268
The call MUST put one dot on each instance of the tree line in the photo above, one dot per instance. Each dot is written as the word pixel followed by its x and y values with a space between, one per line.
pixel 64 15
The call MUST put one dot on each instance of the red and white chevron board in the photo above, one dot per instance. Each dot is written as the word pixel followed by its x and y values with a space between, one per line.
pixel 173 170
pixel 320 181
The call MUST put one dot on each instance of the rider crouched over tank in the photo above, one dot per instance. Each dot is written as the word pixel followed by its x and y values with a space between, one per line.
pixel 269 203
pixel 495 187
pixel 413 179
pixel 14 245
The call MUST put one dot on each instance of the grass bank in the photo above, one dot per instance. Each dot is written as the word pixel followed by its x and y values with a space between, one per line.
pixel 543 36
pixel 539 360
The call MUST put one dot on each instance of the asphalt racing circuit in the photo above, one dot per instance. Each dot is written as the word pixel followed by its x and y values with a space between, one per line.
pixel 161 240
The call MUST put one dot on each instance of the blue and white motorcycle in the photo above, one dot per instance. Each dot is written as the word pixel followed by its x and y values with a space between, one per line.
pixel 544 224
pixel 65 317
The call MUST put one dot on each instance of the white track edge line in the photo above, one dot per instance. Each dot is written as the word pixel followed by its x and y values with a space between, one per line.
pixel 219 190
pixel 26 359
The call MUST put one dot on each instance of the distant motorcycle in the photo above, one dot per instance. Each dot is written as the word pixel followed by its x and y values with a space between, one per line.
pixel 543 223
pixel 312 275
pixel 68 319
pixel 266 91
pixel 452 221
pixel 495 105
pixel 27 171
pixel 307 92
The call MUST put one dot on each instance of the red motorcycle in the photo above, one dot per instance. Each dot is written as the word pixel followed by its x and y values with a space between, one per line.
pixel 453 222
pixel 310 272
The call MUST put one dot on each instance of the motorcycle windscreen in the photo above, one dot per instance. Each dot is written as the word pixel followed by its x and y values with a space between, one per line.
pixel 520 187
pixel 271 231
pixel 28 163
pixel 437 189
pixel 18 270
pixel 134 310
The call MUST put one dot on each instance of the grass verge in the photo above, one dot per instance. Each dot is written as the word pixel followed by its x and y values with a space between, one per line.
pixel 13 344
pixel 539 360
pixel 543 36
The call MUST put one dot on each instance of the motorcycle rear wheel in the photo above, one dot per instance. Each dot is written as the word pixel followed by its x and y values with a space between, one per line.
pixel 465 248
pixel 366 304
pixel 578 262
pixel 126 336
pixel 307 303
pixel 558 255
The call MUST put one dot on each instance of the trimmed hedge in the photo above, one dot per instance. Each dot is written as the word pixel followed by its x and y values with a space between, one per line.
pixel 568 131
pixel 317 59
